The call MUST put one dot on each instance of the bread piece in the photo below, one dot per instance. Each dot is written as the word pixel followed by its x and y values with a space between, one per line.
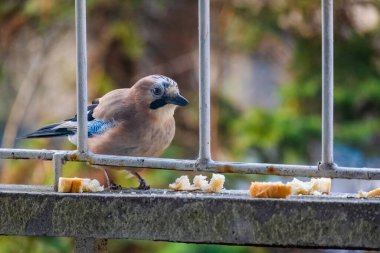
pixel 92 185
pixel 64 184
pixel 216 183
pixel 182 184
pixel 79 185
pixel 269 190
pixel 371 194
pixel 200 182
pixel 322 185
pixel 374 193
pixel 299 187
pixel 316 186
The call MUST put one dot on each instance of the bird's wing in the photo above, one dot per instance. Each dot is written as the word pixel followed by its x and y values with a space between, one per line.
pixel 69 126
pixel 52 130
pixel 90 111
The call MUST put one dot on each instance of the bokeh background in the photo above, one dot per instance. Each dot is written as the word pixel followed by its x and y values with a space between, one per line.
pixel 266 87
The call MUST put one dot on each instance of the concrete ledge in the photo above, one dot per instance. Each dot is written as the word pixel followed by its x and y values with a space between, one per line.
pixel 228 218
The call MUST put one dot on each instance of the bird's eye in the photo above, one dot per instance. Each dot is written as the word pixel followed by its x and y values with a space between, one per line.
pixel 157 91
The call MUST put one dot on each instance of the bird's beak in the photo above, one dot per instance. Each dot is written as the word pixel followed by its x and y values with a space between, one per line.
pixel 177 100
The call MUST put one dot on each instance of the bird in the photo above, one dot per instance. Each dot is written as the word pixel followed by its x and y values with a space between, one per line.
pixel 136 121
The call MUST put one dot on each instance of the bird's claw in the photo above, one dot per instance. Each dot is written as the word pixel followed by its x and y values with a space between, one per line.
pixel 115 187
pixel 143 186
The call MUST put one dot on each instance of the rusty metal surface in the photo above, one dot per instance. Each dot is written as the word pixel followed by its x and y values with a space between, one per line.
pixel 231 217
pixel 193 165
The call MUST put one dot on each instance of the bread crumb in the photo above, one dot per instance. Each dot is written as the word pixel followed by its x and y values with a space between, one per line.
pixel 316 186
pixel 199 183
pixel 322 185
pixel 182 184
pixel 299 188
pixel 216 183
pixel 363 194
pixel 92 185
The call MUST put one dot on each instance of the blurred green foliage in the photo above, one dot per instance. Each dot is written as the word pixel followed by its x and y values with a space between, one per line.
pixel 127 36
pixel 18 244
pixel 285 133
pixel 161 247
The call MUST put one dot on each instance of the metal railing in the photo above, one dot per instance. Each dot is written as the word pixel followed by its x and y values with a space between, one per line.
pixel 327 85
pixel 326 168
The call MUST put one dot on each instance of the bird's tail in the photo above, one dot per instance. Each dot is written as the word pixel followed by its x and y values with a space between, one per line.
pixel 49 131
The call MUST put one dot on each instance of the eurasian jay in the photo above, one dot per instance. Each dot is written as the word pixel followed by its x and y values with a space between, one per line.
pixel 136 121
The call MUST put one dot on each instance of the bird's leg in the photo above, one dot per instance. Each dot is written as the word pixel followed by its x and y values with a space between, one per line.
pixel 110 184
pixel 143 185
pixel 107 178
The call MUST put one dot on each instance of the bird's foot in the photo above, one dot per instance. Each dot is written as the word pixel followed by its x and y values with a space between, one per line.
pixel 143 186
pixel 115 187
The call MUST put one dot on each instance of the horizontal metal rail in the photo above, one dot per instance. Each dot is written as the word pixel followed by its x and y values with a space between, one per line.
pixel 193 165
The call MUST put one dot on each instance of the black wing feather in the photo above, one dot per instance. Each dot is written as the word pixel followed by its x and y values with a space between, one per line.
pixel 90 111
pixel 49 131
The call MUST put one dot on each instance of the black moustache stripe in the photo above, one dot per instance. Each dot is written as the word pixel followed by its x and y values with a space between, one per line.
pixel 157 103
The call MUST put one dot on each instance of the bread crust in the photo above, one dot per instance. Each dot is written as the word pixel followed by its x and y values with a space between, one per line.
pixel 374 193
pixel 77 185
pixel 64 184
pixel 269 190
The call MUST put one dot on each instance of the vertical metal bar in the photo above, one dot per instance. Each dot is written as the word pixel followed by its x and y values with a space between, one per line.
pixel 90 245
pixel 204 80
pixel 57 167
pixel 327 83
pixel 80 22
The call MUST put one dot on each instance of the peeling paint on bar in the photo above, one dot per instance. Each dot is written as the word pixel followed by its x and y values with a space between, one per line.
pixel 40 154
pixel 193 165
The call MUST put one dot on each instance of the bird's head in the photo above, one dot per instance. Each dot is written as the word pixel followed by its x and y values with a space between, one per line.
pixel 160 91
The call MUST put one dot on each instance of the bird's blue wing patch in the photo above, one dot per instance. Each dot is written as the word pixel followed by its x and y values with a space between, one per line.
pixel 98 127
